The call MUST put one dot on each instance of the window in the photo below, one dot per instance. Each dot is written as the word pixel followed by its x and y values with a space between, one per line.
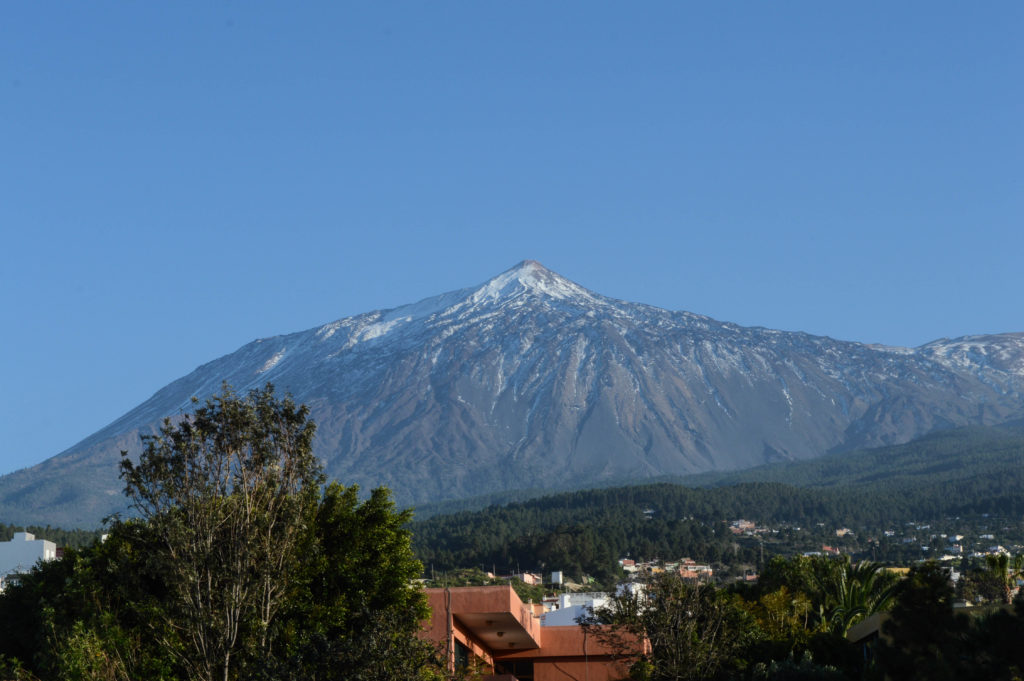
pixel 521 669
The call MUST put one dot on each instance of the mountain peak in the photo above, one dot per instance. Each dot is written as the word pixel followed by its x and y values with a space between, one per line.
pixel 529 272
pixel 531 266
pixel 530 277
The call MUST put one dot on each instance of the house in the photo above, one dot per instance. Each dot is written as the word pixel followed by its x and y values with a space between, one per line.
pixel 741 526
pixel 550 603
pixel 691 571
pixel 572 606
pixel 531 578
pixel 489 630
pixel 21 553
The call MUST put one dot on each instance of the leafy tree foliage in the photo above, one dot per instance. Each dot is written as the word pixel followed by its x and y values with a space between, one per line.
pixel 226 492
pixel 695 631
pixel 355 615
pixel 996 650
pixel 240 567
pixel 88 614
pixel 840 592
pixel 926 640
pixel 785 629
pixel 1004 571
pixel 855 591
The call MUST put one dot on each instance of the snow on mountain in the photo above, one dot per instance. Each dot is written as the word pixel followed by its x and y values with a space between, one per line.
pixel 532 381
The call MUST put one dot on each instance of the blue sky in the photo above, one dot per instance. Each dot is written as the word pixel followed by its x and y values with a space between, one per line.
pixel 177 179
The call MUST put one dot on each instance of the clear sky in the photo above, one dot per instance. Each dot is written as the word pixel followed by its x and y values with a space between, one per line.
pixel 180 178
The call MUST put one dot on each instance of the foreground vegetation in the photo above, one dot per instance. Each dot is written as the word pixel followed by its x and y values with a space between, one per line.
pixel 239 566
pixel 792 625
pixel 62 623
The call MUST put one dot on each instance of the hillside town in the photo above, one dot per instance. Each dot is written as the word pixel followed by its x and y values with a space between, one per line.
pixel 954 542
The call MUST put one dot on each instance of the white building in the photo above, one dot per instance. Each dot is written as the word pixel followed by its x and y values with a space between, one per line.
pixel 21 553
pixel 564 609
pixel 570 606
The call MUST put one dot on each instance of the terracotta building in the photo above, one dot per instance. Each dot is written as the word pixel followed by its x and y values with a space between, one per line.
pixel 489 630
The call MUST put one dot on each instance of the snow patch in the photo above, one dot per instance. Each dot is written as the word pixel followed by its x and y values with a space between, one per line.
pixel 272 362
pixel 892 349
pixel 379 329
pixel 327 330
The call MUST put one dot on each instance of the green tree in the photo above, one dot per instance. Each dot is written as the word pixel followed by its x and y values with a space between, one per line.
pixel 784 617
pixel 356 614
pixel 89 615
pixel 1004 572
pixel 238 568
pixel 841 592
pixel 226 492
pixel 28 610
pixel 995 644
pixel 854 591
pixel 695 632
pixel 924 639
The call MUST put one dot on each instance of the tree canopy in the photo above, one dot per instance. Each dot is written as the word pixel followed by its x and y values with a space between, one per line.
pixel 239 565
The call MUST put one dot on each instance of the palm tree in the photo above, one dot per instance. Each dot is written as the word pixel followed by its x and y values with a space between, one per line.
pixel 854 591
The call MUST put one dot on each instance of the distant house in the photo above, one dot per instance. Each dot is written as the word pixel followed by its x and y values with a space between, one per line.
pixel 531 578
pixel 691 570
pixel 571 606
pixel 21 553
pixel 741 526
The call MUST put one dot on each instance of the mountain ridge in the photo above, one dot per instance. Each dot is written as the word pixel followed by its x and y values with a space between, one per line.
pixel 530 379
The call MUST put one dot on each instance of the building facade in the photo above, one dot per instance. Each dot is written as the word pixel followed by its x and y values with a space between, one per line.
pixel 488 629
pixel 21 553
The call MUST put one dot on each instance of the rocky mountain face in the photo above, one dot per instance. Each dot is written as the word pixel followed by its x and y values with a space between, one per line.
pixel 532 381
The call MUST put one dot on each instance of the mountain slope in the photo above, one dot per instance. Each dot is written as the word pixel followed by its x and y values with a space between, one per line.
pixel 992 456
pixel 532 381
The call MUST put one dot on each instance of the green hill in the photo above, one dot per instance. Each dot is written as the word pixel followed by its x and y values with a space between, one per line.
pixel 963 472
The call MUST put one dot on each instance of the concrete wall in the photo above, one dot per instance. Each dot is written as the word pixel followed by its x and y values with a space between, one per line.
pixel 568 653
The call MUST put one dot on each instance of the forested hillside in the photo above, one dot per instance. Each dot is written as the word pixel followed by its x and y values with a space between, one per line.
pixel 960 473
pixel 968 456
